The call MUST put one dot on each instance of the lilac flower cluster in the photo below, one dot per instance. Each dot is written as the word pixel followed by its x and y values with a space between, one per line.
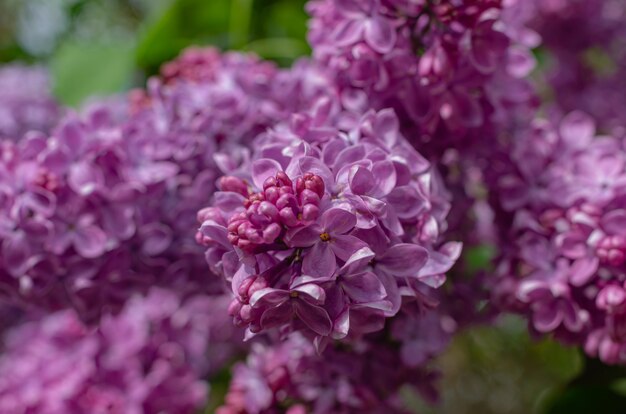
pixel 563 199
pixel 26 102
pixel 147 359
pixel 105 205
pixel 328 228
pixel 451 70
pixel 291 377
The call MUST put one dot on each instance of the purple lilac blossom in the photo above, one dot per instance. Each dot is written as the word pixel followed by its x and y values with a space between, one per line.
pixel 291 377
pixel 334 222
pixel 105 205
pixel 26 101
pixel 149 358
pixel 453 71
pixel 561 199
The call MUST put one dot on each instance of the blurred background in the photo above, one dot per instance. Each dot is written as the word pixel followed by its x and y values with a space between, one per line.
pixel 106 46
pixel 102 47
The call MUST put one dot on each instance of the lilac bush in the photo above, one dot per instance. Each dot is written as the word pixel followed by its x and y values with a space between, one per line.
pixel 318 207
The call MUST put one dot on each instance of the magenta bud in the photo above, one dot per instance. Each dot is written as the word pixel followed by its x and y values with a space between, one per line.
pixel 286 200
pixel 272 194
pixel 283 179
pixel 269 210
pixel 314 183
pixel 244 287
pixel 310 212
pixel 234 184
pixel 271 232
pixel 269 182
pixel 309 197
pixel 288 218
pixel 234 307
pixel 245 313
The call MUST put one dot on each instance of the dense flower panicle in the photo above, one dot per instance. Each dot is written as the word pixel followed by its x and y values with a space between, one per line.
pixel 586 55
pixel 26 101
pixel 451 71
pixel 328 228
pixel 148 359
pixel 106 204
pixel 292 377
pixel 563 210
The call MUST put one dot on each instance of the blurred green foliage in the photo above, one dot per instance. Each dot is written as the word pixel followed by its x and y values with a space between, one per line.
pixel 501 370
pixel 82 70
pixel 275 29
pixel 98 47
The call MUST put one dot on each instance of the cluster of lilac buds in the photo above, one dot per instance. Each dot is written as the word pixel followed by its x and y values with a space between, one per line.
pixel 148 359
pixel 279 206
pixel 563 207
pixel 328 229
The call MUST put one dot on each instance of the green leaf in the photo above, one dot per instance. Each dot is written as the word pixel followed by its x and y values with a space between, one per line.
pixel 479 257
pixel 183 23
pixel 82 70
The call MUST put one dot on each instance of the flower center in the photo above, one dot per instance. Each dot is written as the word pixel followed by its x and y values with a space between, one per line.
pixel 325 237
pixel 293 294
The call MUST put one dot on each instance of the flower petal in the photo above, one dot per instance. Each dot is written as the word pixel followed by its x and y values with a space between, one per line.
pixel 345 246
pixel 320 261
pixel 361 180
pixel 363 287
pixel 315 317
pixel 263 169
pixel 338 221
pixel 277 316
pixel 90 241
pixel 380 34
pixel 403 259
pixel 303 237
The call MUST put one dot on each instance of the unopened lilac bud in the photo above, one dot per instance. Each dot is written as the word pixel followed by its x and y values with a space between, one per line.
pixel 612 250
pixel 234 307
pixel 612 298
pixel 269 210
pixel 309 197
pixel 310 212
pixel 271 233
pixel 283 180
pixel 311 182
pixel 234 184
pixel 288 217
